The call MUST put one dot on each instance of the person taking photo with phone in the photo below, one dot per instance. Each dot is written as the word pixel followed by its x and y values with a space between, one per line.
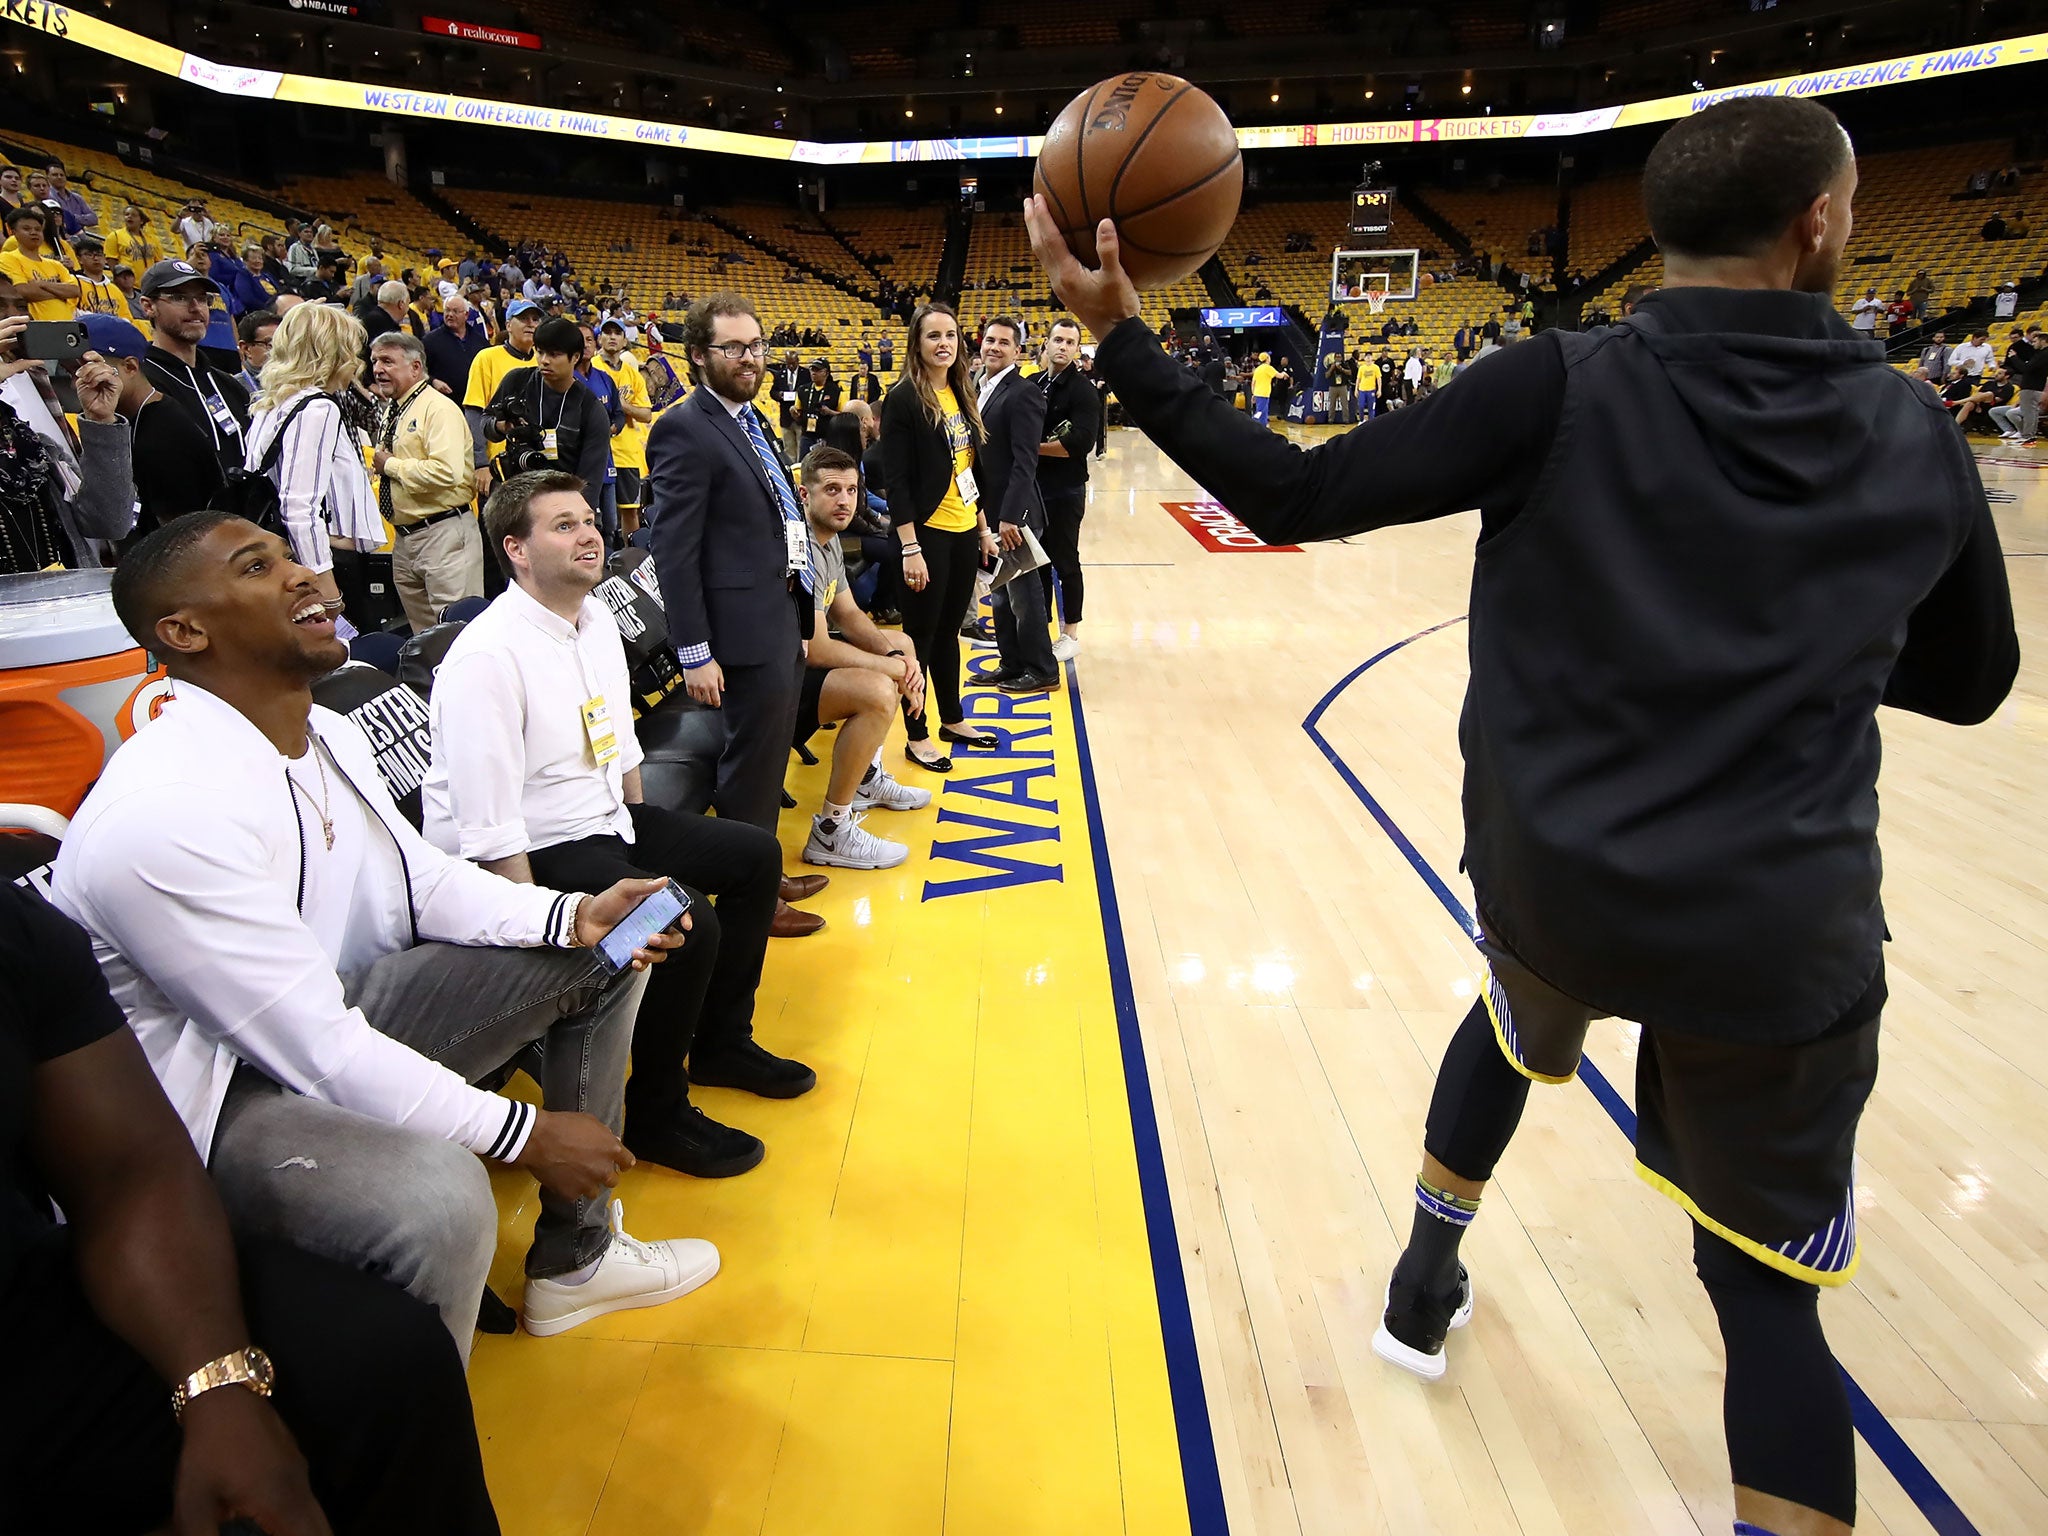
pixel 60 486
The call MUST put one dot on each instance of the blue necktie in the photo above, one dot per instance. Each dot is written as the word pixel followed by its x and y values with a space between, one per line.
pixel 784 496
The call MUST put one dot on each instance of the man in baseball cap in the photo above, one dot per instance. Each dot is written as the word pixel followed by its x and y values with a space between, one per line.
pixel 175 275
pixel 205 407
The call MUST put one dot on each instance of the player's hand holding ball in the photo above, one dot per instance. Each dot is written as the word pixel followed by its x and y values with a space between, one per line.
pixel 1140 175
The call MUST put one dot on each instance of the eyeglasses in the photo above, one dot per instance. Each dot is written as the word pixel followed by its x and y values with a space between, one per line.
pixel 734 351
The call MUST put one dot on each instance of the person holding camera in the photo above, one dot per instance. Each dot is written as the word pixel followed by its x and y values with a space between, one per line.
pixel 59 486
pixel 546 416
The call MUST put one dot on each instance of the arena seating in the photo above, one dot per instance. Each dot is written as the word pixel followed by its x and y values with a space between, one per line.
pixel 1498 221
pixel 370 203
pixel 903 243
pixel 707 258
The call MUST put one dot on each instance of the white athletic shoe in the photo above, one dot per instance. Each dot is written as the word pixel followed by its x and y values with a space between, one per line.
pixel 852 846
pixel 630 1274
pixel 887 793
pixel 1065 648
pixel 1425 1321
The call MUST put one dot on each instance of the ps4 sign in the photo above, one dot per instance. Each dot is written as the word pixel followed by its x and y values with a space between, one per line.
pixel 1241 319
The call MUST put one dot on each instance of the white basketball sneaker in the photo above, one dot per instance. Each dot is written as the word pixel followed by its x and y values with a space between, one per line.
pixel 880 789
pixel 630 1274
pixel 1065 648
pixel 851 846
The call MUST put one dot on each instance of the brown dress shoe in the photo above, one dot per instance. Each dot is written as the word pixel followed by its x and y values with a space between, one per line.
pixel 803 887
pixel 793 922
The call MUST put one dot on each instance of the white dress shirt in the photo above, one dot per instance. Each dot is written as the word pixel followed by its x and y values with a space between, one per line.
pixel 514 768
pixel 988 386
pixel 1975 357
pixel 221 920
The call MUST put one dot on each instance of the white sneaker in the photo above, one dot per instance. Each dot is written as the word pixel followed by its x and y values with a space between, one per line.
pixel 1065 648
pixel 852 846
pixel 630 1274
pixel 880 789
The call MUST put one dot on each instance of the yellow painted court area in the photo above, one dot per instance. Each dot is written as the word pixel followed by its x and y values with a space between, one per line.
pixel 936 1309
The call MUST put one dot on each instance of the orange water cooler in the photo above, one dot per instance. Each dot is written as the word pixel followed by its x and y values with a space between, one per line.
pixel 73 686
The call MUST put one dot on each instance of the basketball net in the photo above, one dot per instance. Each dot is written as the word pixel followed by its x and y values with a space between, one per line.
pixel 1376 300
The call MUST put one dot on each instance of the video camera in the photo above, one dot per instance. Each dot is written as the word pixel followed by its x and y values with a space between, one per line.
pixel 524 448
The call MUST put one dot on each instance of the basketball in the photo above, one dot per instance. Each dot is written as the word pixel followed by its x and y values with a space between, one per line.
pixel 1155 154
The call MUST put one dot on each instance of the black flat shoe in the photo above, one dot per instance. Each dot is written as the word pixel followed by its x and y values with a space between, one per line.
pixel 936 765
pixel 752 1068
pixel 695 1144
pixel 979 743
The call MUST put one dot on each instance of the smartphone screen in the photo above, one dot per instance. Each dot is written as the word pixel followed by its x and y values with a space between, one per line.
pixel 657 912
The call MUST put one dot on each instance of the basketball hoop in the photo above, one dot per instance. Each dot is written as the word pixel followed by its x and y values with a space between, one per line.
pixel 1376 300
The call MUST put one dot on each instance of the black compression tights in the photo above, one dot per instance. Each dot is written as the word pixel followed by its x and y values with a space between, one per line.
pixel 1478 1101
pixel 1785 1410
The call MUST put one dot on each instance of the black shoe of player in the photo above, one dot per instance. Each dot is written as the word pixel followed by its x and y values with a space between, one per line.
pixel 1411 1332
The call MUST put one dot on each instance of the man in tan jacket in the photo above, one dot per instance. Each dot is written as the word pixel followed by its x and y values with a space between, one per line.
pixel 424 484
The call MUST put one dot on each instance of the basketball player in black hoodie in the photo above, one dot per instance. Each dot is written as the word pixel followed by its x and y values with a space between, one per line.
pixel 1759 533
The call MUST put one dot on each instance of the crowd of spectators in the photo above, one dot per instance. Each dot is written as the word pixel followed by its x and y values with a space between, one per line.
pixel 286 456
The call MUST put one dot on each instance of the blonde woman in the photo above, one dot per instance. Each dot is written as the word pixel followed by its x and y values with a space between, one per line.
pixel 302 438
pixel 931 431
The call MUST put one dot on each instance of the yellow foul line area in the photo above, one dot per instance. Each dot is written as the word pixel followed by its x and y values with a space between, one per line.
pixel 937 1306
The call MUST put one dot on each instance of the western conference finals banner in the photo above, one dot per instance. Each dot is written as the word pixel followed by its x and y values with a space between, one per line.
pixel 89 31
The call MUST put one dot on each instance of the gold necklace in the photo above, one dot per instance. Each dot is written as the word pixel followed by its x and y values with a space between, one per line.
pixel 326 821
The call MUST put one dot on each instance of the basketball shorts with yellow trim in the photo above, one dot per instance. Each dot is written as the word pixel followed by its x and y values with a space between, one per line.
pixel 1756 1142
pixel 628 487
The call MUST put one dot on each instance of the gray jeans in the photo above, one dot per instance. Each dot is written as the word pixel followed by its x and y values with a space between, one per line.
pixel 2030 413
pixel 414 1208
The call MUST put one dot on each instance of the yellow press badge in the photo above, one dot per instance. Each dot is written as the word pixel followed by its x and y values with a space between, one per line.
pixel 597 729
pixel 550 443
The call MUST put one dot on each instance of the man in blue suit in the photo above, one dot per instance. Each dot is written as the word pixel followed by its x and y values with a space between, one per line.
pixel 732 552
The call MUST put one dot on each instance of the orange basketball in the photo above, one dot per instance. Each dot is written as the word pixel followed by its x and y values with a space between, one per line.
pixel 1427 280
pixel 1157 155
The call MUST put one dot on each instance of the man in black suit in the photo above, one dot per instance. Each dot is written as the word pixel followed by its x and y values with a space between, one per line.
pixel 1006 470
pixel 732 552
pixel 787 384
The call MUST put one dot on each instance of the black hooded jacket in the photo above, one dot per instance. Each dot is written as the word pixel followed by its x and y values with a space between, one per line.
pixel 1714 539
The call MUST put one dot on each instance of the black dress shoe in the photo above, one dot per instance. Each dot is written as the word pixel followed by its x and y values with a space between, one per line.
pixel 751 1069
pixel 1028 682
pixel 695 1144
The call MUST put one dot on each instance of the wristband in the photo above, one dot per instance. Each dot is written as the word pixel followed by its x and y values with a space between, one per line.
pixel 912 549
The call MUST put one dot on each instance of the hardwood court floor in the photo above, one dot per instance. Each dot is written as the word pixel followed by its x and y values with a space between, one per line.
pixel 937 1313
pixel 1296 981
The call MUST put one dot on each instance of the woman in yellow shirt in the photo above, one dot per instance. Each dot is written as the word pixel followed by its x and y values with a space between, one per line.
pixel 931 427
pixel 133 244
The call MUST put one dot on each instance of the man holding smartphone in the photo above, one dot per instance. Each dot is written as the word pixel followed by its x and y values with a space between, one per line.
pixel 536 775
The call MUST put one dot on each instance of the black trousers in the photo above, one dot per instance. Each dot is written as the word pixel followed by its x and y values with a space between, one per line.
pixel 884 553
pixel 702 995
pixel 368 1382
pixel 1062 540
pixel 760 720
pixel 1023 638
pixel 932 619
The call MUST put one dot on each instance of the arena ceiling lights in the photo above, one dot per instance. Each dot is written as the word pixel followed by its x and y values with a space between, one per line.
pixel 73 26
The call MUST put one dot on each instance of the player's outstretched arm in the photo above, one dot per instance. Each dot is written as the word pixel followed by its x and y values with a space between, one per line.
pixel 1477 444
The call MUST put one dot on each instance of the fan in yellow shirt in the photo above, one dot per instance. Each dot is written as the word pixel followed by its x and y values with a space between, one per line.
pixel 629 446
pixel 47 285
pixel 133 244
pixel 487 371
pixel 97 294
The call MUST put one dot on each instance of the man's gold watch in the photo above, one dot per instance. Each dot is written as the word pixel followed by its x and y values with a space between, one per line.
pixel 248 1367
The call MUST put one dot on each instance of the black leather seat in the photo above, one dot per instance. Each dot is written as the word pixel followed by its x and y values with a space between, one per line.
pixel 421 657
pixel 394 717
